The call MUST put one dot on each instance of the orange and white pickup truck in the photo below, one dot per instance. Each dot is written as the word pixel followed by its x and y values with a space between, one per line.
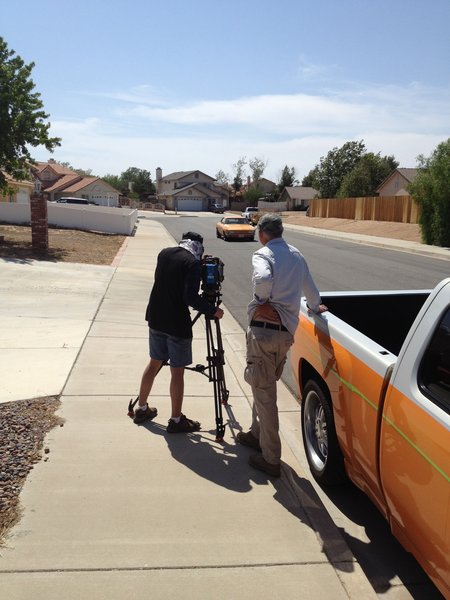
pixel 374 377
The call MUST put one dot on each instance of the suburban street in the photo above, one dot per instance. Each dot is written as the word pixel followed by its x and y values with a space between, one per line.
pixel 333 115
pixel 335 265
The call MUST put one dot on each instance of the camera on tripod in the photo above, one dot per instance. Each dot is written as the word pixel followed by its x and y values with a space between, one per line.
pixel 212 277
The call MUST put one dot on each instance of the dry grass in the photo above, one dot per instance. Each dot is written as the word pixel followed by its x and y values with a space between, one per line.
pixel 66 245
pixel 399 231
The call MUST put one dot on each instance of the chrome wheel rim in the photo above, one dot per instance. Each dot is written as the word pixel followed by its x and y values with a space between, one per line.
pixel 316 432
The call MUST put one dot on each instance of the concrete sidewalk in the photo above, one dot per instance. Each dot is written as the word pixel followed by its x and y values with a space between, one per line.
pixel 122 511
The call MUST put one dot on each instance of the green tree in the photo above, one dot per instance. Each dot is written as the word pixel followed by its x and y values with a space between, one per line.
pixel 222 177
pixel 82 172
pixel 366 175
pixel 328 175
pixel 287 178
pixel 239 174
pixel 431 190
pixel 310 179
pixel 257 167
pixel 22 118
pixel 252 195
pixel 138 181
pixel 114 181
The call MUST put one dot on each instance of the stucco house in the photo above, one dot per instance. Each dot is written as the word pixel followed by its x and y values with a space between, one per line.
pixel 396 183
pixel 189 190
pixel 297 197
pixel 18 191
pixel 264 185
pixel 60 182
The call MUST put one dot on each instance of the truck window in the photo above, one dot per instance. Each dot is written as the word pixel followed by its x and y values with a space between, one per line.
pixel 434 372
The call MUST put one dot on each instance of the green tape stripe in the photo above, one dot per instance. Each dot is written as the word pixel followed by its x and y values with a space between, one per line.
pixel 347 384
pixel 354 390
pixel 422 454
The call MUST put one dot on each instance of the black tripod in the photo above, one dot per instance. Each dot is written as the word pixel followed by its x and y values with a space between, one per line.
pixel 214 369
pixel 212 277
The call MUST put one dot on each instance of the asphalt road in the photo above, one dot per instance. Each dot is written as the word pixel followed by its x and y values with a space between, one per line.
pixel 337 265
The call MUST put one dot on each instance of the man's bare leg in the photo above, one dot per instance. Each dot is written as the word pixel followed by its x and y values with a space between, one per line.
pixel 148 377
pixel 176 390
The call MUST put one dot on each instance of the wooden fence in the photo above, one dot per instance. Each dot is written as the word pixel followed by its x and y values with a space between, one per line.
pixel 400 209
pixel 262 204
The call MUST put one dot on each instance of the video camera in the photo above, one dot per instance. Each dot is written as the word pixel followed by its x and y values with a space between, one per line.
pixel 212 277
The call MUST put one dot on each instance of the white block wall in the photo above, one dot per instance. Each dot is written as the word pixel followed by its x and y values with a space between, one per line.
pixel 87 218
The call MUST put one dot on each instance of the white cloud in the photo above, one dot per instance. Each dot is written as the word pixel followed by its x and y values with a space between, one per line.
pixel 292 129
pixel 309 71
pixel 390 108
pixel 288 114
pixel 142 94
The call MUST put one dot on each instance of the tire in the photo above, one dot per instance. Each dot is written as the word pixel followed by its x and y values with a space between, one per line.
pixel 217 234
pixel 323 453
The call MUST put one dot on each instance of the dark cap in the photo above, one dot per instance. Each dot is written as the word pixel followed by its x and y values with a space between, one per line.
pixel 271 223
pixel 191 235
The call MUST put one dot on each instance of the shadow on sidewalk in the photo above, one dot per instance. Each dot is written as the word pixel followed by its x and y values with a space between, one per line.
pixel 219 462
pixel 226 464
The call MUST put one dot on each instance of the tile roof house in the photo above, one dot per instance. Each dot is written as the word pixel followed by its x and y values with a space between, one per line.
pixel 396 183
pixel 189 190
pixel 59 182
pixel 297 197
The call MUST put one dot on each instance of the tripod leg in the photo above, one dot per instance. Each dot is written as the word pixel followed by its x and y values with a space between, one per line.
pixel 224 394
pixel 214 377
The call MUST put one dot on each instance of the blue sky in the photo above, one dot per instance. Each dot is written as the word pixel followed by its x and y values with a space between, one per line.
pixel 199 84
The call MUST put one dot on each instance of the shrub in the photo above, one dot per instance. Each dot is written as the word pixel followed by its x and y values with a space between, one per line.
pixel 431 191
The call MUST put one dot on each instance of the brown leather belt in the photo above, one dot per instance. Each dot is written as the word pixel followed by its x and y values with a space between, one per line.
pixel 267 325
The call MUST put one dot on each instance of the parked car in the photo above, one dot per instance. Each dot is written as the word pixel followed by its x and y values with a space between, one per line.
pixel 374 376
pixel 218 208
pixel 234 228
pixel 249 211
pixel 75 201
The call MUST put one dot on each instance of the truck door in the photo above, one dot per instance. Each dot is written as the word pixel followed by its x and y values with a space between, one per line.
pixel 415 444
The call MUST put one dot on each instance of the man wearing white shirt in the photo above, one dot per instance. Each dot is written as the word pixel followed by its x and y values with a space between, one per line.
pixel 280 278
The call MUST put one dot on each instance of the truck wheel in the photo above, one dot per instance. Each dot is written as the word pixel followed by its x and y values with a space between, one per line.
pixel 319 436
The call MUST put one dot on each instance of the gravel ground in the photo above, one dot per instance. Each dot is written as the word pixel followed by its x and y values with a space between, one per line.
pixel 23 427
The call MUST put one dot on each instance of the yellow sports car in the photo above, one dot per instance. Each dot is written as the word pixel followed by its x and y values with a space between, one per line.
pixel 235 228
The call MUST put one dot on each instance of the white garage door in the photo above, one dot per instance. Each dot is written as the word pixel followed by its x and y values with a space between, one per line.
pixel 23 197
pixel 190 204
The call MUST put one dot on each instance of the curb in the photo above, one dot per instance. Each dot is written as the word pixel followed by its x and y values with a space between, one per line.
pixel 380 242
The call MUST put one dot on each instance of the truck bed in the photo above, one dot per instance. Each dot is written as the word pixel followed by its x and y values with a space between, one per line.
pixel 384 317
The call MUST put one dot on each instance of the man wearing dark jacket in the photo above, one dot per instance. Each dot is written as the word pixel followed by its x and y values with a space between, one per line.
pixel 176 287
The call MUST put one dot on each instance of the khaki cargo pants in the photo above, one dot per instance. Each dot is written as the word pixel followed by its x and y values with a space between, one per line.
pixel 266 357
